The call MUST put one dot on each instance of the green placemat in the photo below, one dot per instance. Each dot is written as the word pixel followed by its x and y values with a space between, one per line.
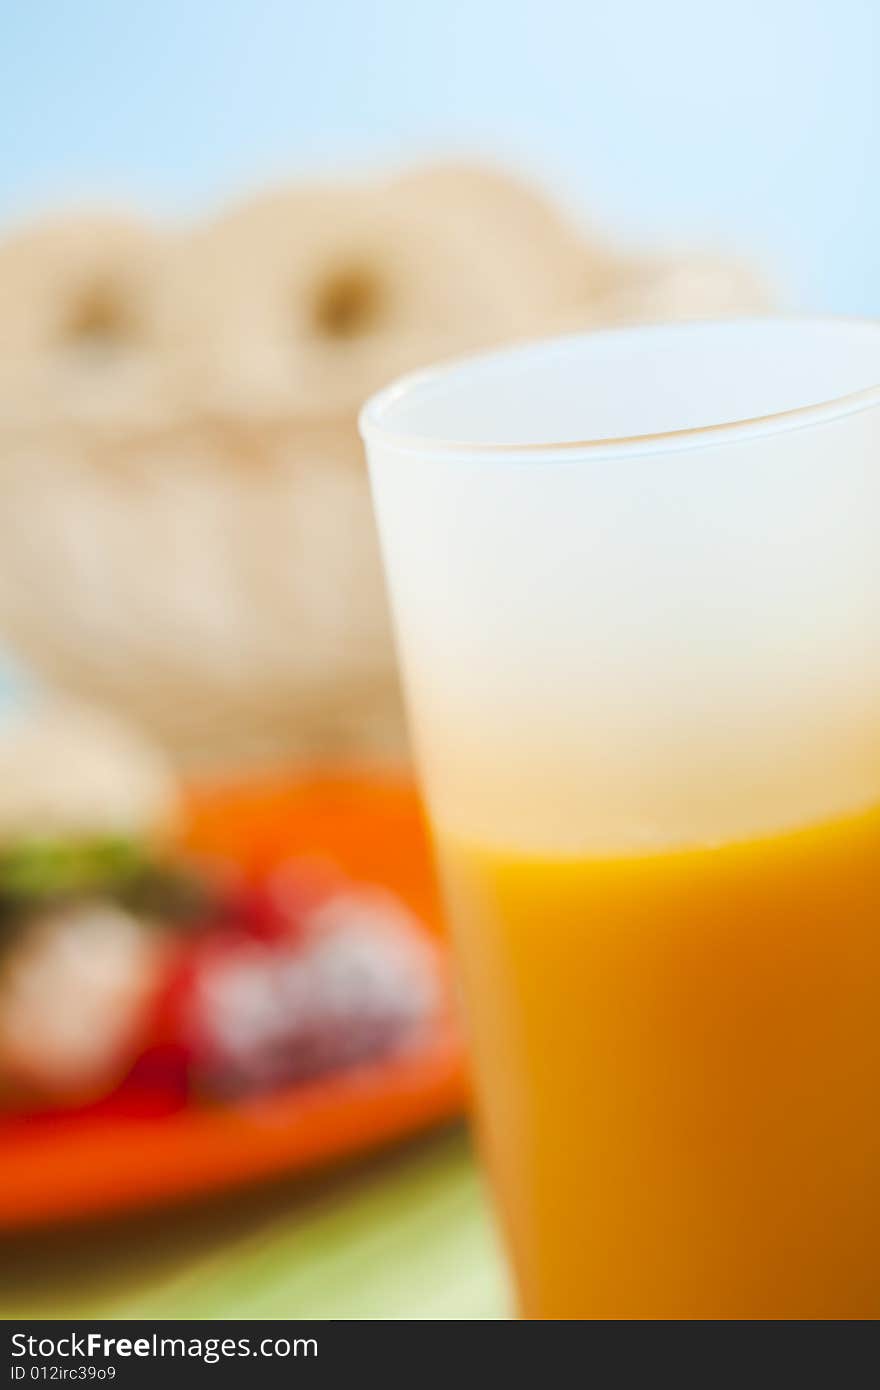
pixel 403 1236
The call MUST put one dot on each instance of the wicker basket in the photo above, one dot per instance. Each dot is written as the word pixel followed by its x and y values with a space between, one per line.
pixel 185 528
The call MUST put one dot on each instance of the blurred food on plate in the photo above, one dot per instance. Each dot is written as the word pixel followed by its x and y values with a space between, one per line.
pixel 185 527
pixel 87 808
pixel 170 956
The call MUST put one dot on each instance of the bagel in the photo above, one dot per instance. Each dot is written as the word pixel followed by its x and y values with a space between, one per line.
pixel 652 290
pixel 540 260
pixel 75 283
pixel 308 299
pixel 75 332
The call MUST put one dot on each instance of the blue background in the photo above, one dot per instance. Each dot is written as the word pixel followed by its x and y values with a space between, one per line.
pixel 751 125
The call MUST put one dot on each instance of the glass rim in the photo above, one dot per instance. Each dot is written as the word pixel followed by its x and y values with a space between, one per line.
pixel 834 407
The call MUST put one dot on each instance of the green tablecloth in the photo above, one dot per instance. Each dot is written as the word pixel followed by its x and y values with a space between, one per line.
pixel 405 1235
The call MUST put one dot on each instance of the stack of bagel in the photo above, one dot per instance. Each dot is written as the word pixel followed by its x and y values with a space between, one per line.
pixel 185 527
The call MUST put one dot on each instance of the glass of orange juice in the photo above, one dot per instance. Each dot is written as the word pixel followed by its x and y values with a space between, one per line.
pixel 636 584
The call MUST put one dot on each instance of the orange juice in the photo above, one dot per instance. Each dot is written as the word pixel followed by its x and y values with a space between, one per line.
pixel 636 595
pixel 678 1070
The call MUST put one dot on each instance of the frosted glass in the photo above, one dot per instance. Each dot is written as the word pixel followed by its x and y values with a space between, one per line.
pixel 641 638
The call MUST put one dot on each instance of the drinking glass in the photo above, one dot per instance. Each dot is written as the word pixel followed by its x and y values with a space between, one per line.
pixel 635 578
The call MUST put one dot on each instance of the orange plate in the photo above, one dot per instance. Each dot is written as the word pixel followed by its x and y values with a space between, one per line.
pixel 76 1166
